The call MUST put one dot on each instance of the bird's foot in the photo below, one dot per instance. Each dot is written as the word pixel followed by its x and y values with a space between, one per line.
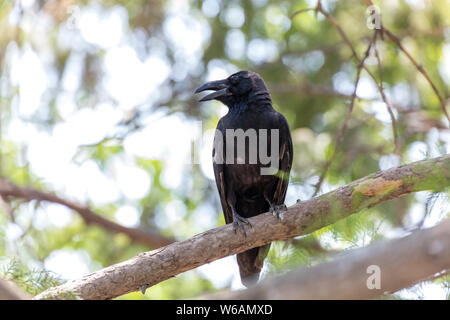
pixel 278 209
pixel 144 288
pixel 238 222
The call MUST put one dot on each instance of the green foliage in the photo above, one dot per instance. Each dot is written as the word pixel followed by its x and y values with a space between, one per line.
pixel 33 281
pixel 309 71
pixel 185 286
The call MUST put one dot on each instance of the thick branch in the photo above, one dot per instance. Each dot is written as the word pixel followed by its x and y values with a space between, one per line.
pixel 149 238
pixel 152 267
pixel 8 291
pixel 401 262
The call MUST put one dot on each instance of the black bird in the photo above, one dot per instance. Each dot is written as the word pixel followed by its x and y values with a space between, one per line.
pixel 244 191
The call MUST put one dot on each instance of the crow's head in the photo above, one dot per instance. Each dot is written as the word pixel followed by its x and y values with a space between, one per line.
pixel 241 87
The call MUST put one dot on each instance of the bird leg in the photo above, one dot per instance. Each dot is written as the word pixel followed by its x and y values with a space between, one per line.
pixel 276 209
pixel 144 288
pixel 238 221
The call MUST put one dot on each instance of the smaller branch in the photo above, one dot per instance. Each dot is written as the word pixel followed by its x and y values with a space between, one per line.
pixel 340 135
pixel 436 31
pixel 388 105
pixel 301 11
pixel 400 263
pixel 149 238
pixel 420 69
pixel 355 55
pixel 339 29
pixel 330 18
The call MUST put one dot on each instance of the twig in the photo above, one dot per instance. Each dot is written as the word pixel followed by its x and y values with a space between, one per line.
pixel 301 11
pixel 355 55
pixel 379 86
pixel 388 105
pixel 333 21
pixel 148 237
pixel 341 132
pixel 420 69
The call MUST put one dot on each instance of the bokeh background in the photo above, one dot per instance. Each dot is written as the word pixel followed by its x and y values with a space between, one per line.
pixel 97 105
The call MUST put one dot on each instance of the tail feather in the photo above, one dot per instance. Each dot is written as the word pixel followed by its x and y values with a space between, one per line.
pixel 250 264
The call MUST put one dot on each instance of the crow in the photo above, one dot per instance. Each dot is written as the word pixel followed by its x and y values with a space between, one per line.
pixel 244 190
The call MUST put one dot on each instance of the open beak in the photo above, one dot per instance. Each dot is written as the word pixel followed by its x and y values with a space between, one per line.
pixel 220 87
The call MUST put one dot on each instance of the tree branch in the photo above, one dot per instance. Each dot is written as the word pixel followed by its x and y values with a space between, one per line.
pixel 147 237
pixel 361 65
pixel 150 268
pixel 401 262
pixel 419 67
pixel 343 128
pixel 8 291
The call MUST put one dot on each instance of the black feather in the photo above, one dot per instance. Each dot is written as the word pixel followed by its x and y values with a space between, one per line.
pixel 242 185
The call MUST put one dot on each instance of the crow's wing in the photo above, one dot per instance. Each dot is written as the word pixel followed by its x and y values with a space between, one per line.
pixel 286 156
pixel 218 156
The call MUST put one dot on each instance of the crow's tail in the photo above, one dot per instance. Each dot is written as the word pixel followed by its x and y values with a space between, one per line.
pixel 250 264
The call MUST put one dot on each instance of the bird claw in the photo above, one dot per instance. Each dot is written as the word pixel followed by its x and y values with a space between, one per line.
pixel 277 209
pixel 238 222
pixel 144 288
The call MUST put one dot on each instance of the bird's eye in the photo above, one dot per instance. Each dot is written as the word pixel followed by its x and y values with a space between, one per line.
pixel 233 80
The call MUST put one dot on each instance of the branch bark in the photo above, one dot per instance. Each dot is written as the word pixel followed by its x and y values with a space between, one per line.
pixel 147 237
pixel 400 263
pixel 8 291
pixel 150 268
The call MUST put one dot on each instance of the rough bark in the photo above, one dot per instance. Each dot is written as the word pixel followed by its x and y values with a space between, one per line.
pixel 152 267
pixel 401 262
pixel 146 237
